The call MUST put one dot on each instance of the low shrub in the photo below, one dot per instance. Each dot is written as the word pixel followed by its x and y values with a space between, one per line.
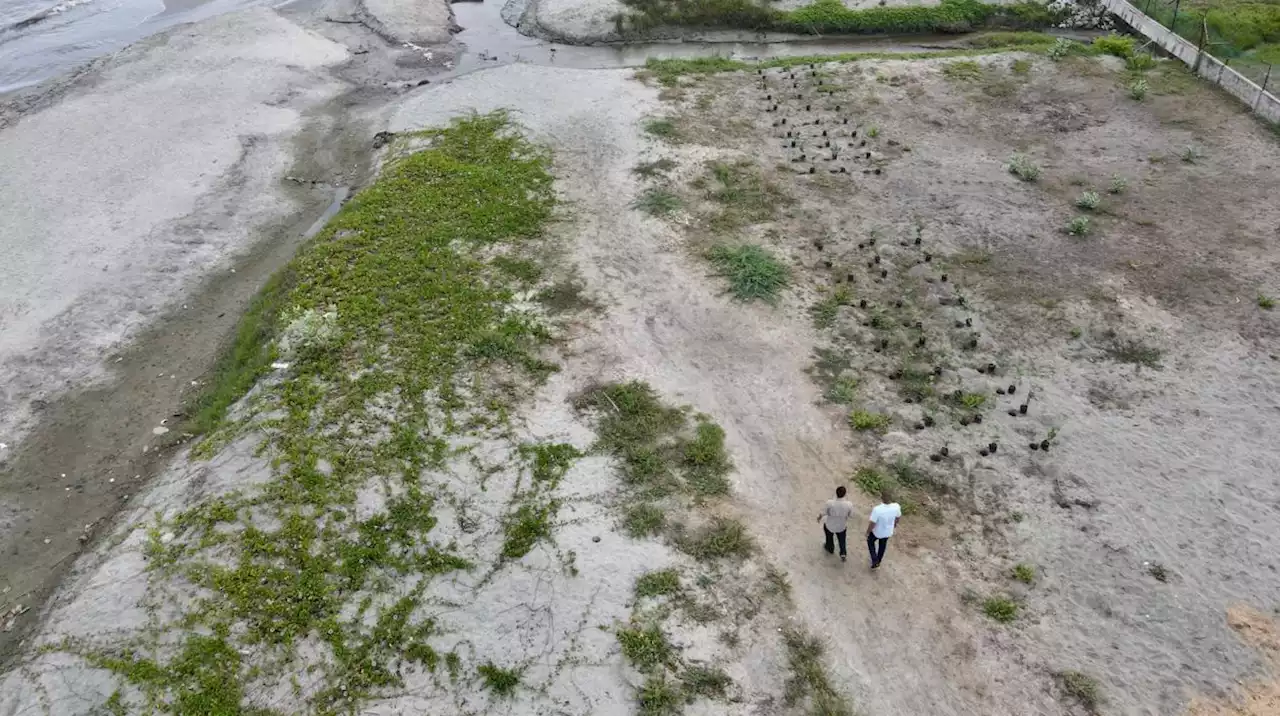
pixel 1118 45
pixel 1021 166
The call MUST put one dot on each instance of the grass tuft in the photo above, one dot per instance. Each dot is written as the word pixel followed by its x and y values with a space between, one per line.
pixel 1089 201
pixel 662 128
pixel 1118 184
pixel 722 538
pixel 706 464
pixel 1266 302
pixel 644 520
pixel 964 70
pixel 1001 609
pixel 660 697
pixel 1021 166
pixel 647 648
pixel 502 682
pixel 742 193
pixel 842 391
pixel 1024 573
pixel 753 273
pixel 808 677
pixel 658 167
pixel 1083 688
pixel 1132 351
pixel 530 524
pixel 708 682
pixel 863 420
pixel 656 584
pixel 657 201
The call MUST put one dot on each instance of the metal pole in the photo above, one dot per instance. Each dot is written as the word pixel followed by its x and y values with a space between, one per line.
pixel 1204 30
pixel 1262 91
pixel 1173 24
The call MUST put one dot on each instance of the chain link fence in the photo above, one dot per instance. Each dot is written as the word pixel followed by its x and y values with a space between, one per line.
pixel 1241 47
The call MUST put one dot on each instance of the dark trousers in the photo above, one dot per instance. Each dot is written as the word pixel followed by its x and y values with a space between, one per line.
pixel 876 545
pixel 839 536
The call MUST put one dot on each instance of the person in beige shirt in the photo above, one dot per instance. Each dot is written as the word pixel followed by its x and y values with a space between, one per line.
pixel 835 522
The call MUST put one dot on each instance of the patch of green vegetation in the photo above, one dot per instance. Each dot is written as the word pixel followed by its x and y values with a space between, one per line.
pixel 637 427
pixel 662 128
pixel 1079 226
pixel 825 312
pixel 864 420
pixel 643 520
pixel 115 705
pixel 657 201
pixel 659 696
pixel 248 358
pixel 658 167
pixel 808 679
pixel 1010 39
pixel 1024 573
pixel 408 306
pixel 501 682
pixel 743 194
pixel 653 444
pixel 1021 67
pixel 523 270
pixel 753 273
pixel 706 464
pixel 1118 184
pixel 870 480
pixel 1133 351
pixel 1083 688
pixel 1021 166
pixel 722 538
pixel 964 70
pixel 665 582
pixel 1140 62
pixel 705 681
pixel 1001 609
pixel 829 16
pixel 550 460
pixel 1118 45
pixel 531 523
pixel 646 647
pixel 842 391
pixel 1089 201
pixel 1266 302
pixel 970 401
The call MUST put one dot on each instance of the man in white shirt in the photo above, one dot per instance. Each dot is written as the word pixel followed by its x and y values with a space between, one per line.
pixel 835 522
pixel 884 517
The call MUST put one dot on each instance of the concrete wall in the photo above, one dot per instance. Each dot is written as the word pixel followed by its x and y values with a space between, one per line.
pixel 1266 104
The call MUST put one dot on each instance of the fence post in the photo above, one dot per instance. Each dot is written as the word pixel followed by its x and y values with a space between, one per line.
pixel 1262 91
pixel 1204 30
pixel 1173 24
